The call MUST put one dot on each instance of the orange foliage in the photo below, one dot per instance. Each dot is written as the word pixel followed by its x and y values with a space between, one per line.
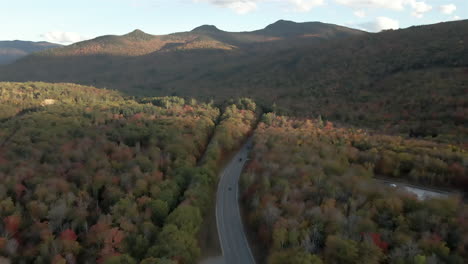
pixel 12 223
pixel 58 259
pixel 19 189
pixel 112 241
pixel 329 125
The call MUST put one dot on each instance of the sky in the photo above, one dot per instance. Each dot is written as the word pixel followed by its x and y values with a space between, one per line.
pixel 67 22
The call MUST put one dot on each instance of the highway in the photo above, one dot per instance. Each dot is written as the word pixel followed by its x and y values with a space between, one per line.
pixel 234 244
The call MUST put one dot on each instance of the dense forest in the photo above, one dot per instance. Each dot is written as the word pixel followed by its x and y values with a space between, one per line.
pixel 311 195
pixel 89 176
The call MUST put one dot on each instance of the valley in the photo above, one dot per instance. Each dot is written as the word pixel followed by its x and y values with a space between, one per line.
pixel 295 143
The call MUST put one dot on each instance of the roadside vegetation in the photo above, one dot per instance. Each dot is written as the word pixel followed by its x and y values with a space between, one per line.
pixel 310 192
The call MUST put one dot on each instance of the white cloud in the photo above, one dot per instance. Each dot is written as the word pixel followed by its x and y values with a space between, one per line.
pixel 239 6
pixel 242 7
pixel 388 4
pixel 448 9
pixel 360 13
pixel 62 37
pixel 305 5
pixel 381 23
pixel 456 18
pixel 246 6
pixel 418 7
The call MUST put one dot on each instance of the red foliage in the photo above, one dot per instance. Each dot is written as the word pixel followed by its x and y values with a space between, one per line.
pixel 378 241
pixel 68 235
pixel 137 116
pixel 12 224
pixel 329 125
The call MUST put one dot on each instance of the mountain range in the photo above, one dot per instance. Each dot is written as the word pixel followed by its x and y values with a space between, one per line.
pixel 16 49
pixel 396 80
pixel 138 43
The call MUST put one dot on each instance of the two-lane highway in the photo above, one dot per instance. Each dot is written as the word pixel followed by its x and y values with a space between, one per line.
pixel 234 244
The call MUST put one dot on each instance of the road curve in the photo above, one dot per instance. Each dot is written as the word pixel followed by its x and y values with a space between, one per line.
pixel 234 243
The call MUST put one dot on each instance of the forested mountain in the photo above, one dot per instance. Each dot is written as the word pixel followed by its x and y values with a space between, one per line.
pixel 405 80
pixel 13 50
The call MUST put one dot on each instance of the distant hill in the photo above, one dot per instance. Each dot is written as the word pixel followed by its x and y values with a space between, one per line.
pixel 397 80
pixel 13 50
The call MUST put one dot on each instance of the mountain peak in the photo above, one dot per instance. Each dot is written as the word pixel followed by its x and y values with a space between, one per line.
pixel 281 24
pixel 138 34
pixel 206 28
pixel 136 31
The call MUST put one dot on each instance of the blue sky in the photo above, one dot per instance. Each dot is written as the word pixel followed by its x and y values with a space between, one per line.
pixel 66 22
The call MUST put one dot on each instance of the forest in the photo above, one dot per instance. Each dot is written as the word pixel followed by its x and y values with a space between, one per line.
pixel 93 176
pixel 310 194
pixel 90 176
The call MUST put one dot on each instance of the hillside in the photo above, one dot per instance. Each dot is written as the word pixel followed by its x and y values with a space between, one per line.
pixel 385 81
pixel 14 50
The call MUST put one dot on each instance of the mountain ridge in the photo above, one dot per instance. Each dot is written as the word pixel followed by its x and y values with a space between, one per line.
pixel 138 43
pixel 12 50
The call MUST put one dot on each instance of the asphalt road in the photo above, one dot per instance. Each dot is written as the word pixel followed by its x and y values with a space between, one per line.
pixel 234 244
